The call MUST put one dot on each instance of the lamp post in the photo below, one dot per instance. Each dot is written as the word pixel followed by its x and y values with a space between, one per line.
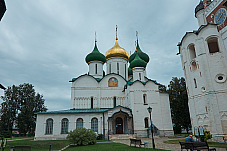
pixel 152 134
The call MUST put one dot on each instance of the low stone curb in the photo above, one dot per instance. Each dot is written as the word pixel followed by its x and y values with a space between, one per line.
pixel 65 147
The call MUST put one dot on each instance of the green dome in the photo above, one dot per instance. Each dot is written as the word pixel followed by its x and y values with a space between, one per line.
pixel 130 73
pixel 137 62
pixel 142 55
pixel 95 55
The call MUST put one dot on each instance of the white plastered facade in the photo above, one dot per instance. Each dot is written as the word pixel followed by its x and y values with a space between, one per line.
pixel 120 107
pixel 206 76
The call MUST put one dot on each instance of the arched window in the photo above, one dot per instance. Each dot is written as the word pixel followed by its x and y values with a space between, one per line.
pixel 144 99
pixel 92 102
pixel 140 76
pixel 79 123
pixel 114 101
pixel 192 51
pixel 96 69
pixel 49 126
pixel 64 126
pixel 146 124
pixel 94 125
pixel 213 44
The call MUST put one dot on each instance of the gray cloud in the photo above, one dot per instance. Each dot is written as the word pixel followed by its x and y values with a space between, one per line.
pixel 45 42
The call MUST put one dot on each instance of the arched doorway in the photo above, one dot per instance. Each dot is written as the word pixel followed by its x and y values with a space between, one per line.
pixel 119 125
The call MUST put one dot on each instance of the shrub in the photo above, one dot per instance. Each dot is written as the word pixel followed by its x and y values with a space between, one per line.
pixel 100 137
pixel 5 134
pixel 207 135
pixel 82 136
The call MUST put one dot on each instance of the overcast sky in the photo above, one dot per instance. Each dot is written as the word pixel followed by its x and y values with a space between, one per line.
pixel 45 42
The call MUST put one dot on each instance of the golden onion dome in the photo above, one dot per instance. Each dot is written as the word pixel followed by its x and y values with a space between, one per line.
pixel 116 52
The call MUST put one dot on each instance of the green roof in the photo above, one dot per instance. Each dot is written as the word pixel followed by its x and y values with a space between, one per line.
pixel 137 62
pixel 76 111
pixel 130 71
pixel 141 54
pixel 95 55
pixel 71 111
pixel 144 83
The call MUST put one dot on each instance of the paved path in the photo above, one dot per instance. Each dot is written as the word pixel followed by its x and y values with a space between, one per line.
pixel 159 143
pixel 17 139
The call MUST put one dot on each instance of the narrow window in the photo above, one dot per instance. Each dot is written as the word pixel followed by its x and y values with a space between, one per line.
pixel 79 123
pixel 195 83
pixel 213 45
pixel 146 124
pixel 144 99
pixel 64 126
pixel 114 101
pixel 96 69
pixel 117 68
pixel 140 76
pixel 110 67
pixel 94 125
pixel 92 102
pixel 125 71
pixel 49 126
pixel 192 51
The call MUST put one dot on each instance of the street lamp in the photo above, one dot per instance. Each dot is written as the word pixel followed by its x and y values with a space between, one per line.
pixel 152 135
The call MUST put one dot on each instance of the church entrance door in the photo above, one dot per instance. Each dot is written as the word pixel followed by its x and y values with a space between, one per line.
pixel 119 125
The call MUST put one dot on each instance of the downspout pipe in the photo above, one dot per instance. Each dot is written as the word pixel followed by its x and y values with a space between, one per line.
pixel 103 125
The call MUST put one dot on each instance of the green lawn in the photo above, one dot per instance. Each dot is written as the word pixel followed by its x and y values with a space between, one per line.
pixel 108 147
pixel 38 145
pixel 23 137
pixel 59 144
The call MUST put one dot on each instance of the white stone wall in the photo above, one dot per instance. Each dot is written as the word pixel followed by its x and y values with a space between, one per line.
pixel 161 116
pixel 207 98
pixel 123 67
pixel 201 17
pixel 86 87
pixel 92 70
pixel 41 124
pixel 138 74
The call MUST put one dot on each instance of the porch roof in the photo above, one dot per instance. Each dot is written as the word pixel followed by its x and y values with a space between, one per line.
pixel 75 111
pixel 71 111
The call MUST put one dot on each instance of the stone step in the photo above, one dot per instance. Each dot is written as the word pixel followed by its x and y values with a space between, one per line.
pixel 121 136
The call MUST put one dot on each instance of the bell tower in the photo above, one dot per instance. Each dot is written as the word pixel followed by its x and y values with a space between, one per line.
pixel 204 60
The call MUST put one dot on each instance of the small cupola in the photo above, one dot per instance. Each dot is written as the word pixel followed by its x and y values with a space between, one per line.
pixel 117 52
pixel 137 62
pixel 95 56
pixel 95 61
pixel 199 7
pixel 141 54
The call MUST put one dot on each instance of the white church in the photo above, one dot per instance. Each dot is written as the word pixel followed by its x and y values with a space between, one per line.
pixel 204 60
pixel 112 102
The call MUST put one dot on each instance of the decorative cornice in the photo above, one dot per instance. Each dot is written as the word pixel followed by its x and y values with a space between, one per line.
pixel 212 6
pixel 138 68
pixel 95 61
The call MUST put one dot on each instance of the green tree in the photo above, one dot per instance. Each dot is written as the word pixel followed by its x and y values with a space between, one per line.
pixel 25 102
pixel 162 88
pixel 179 104
pixel 9 109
